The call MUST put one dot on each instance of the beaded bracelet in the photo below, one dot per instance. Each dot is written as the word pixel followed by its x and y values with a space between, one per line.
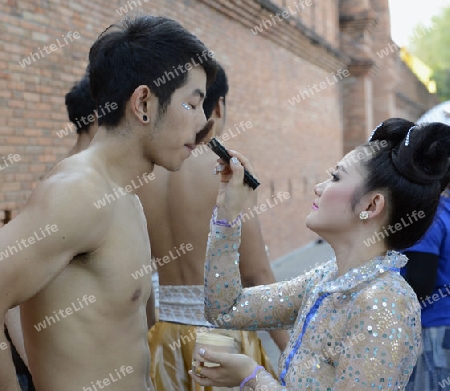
pixel 252 376
pixel 225 223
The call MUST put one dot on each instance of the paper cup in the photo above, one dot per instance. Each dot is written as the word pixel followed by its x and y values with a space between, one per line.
pixel 214 342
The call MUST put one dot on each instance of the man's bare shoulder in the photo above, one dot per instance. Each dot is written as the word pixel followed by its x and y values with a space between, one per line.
pixel 72 182
pixel 58 222
pixel 67 197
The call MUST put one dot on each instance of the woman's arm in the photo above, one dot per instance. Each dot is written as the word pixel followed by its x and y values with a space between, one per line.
pixel 261 307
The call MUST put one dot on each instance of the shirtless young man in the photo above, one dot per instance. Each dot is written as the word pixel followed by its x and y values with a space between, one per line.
pixel 180 207
pixel 69 259
pixel 83 113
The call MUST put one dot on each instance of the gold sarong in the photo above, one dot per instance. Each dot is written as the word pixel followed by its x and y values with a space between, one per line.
pixel 171 346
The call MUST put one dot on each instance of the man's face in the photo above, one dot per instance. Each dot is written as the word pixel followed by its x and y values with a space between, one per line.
pixel 173 136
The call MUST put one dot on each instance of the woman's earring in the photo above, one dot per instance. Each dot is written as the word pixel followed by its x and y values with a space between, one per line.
pixel 145 118
pixel 364 215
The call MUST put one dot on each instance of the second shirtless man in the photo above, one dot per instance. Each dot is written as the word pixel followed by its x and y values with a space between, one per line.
pixel 180 205
pixel 68 256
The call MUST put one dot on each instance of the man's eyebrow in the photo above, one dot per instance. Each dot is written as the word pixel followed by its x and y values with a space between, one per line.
pixel 198 92
pixel 342 168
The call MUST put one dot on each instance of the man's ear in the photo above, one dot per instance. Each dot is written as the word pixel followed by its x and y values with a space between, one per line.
pixel 142 102
pixel 219 110
pixel 375 204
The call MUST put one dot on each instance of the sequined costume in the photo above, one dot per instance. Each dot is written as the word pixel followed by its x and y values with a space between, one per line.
pixel 362 329
pixel 172 339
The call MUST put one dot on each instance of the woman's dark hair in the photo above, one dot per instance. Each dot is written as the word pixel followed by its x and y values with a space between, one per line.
pixel 218 89
pixel 147 50
pixel 413 168
pixel 79 103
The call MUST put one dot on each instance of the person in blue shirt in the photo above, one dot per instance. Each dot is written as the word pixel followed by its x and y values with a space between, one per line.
pixel 428 272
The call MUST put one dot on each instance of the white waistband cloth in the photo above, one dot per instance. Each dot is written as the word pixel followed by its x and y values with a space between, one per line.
pixel 182 304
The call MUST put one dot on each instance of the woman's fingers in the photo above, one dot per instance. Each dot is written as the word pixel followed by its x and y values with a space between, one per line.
pixel 236 165
pixel 203 381
pixel 243 160
pixel 207 376
pixel 238 172
pixel 222 169
pixel 232 369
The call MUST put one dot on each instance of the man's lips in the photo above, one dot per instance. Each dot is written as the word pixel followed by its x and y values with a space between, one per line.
pixel 190 146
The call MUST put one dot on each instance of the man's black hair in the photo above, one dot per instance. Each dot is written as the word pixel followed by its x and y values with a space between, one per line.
pixel 148 50
pixel 79 103
pixel 217 90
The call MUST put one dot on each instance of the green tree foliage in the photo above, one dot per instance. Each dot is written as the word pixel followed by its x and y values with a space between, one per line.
pixel 431 43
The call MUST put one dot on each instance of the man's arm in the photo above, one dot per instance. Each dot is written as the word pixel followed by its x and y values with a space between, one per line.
pixel 255 265
pixel 58 222
pixel 421 271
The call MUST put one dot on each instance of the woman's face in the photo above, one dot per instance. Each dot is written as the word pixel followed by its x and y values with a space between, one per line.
pixel 332 210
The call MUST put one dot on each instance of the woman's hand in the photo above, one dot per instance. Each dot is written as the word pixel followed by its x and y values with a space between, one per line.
pixel 233 193
pixel 233 369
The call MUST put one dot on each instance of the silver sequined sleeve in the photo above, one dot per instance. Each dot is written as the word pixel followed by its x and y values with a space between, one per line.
pixel 261 307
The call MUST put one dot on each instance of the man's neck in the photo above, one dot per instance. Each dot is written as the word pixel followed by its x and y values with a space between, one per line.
pixel 121 157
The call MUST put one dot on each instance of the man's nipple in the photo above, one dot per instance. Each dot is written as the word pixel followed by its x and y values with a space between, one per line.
pixel 137 294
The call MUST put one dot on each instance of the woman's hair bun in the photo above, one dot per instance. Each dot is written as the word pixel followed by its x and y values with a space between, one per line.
pixel 420 153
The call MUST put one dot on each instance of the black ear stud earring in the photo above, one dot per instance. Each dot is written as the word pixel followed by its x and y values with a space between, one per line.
pixel 144 118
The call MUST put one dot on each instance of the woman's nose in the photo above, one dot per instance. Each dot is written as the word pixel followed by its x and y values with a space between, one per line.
pixel 318 189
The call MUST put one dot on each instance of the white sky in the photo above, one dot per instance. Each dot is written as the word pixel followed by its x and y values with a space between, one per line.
pixel 405 14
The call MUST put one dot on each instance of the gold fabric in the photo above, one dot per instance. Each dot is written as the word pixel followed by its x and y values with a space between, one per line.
pixel 171 346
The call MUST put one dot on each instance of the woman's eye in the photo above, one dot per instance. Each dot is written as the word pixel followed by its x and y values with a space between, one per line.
pixel 334 176
pixel 193 106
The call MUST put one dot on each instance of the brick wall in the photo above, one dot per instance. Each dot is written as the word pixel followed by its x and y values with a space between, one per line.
pixel 380 86
pixel 291 145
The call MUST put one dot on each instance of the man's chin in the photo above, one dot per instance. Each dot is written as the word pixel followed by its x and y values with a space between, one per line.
pixel 173 165
pixel 173 168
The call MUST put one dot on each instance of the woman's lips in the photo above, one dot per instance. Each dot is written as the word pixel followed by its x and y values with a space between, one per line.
pixel 314 206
